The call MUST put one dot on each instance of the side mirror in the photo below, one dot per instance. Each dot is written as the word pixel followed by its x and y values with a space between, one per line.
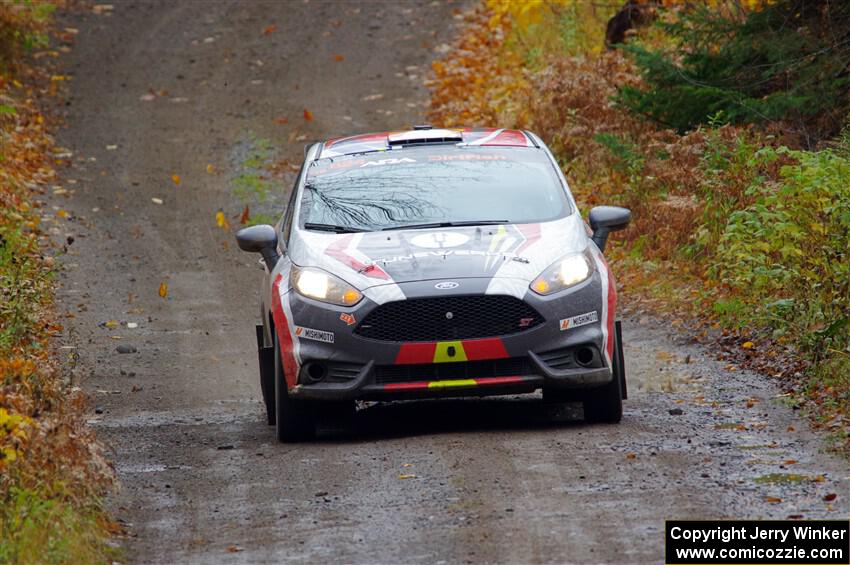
pixel 260 239
pixel 604 220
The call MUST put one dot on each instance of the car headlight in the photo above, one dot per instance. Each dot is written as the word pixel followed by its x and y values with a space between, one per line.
pixel 564 273
pixel 323 286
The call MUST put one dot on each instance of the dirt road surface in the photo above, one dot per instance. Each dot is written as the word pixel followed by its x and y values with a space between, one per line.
pixel 167 88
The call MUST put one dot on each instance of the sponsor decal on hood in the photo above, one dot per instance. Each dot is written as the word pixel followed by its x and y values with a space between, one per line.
pixel 366 259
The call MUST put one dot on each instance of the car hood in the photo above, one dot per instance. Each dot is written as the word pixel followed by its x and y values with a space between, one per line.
pixel 517 251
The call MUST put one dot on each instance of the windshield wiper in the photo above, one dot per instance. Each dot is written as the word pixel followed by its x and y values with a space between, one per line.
pixel 447 224
pixel 331 228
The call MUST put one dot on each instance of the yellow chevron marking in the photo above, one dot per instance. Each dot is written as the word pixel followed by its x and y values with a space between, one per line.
pixel 441 353
pixel 501 232
pixel 450 384
pixel 491 259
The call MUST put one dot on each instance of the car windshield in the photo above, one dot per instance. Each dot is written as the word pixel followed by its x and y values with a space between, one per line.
pixel 440 185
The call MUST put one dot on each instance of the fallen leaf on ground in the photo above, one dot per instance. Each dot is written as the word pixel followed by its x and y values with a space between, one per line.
pixel 233 548
pixel 282 121
pixel 210 168
pixel 221 220
pixel 772 499
pixel 163 289
pixel 111 324
pixel 790 462
pixel 339 58
pixel 62 214
pixel 175 179
pixel 308 115
pixel 245 217
pixel 270 30
pixel 830 497
pixel 407 476
pixel 631 456
pixel 748 345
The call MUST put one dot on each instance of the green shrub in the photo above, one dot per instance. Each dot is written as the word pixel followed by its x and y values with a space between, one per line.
pixel 41 528
pixel 23 27
pixel 789 251
pixel 23 284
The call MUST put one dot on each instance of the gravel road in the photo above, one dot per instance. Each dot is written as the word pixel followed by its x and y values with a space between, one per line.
pixel 164 88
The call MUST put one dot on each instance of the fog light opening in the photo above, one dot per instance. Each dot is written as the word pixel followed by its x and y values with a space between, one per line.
pixel 585 356
pixel 316 372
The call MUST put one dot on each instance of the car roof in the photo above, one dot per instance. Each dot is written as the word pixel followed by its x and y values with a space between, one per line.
pixel 425 135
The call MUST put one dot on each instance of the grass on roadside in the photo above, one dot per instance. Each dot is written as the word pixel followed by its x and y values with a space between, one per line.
pixel 52 470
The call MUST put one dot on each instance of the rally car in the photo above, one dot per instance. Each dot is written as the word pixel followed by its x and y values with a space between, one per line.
pixel 433 263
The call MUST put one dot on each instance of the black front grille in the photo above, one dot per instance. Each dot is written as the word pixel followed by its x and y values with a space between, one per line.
pixel 448 318
pixel 512 367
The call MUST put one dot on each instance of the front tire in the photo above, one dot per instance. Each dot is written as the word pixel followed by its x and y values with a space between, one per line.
pixel 266 356
pixel 294 419
pixel 605 404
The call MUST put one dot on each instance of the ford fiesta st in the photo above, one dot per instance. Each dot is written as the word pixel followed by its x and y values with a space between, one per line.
pixel 433 263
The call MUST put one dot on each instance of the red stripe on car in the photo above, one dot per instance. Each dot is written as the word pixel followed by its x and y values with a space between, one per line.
pixel 337 251
pixel 416 353
pixel 421 385
pixel 509 137
pixel 281 326
pixel 612 306
pixel 531 233
pixel 357 139
pixel 499 380
pixel 424 385
pixel 483 349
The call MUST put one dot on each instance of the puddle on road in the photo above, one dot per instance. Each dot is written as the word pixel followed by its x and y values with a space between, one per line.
pixel 150 468
pixel 659 371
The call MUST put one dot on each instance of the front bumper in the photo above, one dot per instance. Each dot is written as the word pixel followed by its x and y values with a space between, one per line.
pixel 363 385
pixel 545 356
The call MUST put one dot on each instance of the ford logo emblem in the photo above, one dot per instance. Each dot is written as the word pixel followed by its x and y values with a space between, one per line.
pixel 446 285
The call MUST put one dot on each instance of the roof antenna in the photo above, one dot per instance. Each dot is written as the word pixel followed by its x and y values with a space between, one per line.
pixel 423 126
